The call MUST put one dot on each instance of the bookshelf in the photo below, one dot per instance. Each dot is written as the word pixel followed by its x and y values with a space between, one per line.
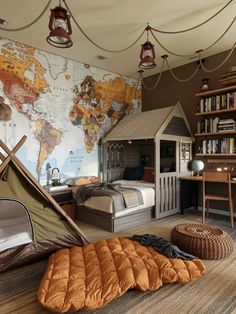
pixel 216 126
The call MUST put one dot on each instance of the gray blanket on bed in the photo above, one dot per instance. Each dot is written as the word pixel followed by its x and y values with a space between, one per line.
pixel 122 197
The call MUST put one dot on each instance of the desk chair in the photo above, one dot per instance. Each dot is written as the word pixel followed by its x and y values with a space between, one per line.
pixel 217 177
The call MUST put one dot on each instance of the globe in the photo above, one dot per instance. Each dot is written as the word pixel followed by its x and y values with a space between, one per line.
pixel 197 165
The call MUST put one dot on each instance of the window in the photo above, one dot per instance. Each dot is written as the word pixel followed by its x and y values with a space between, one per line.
pixel 167 156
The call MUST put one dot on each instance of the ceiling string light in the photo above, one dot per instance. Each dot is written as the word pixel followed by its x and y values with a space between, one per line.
pixel 60 31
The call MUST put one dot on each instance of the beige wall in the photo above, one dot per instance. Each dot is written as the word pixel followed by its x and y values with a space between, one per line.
pixel 169 91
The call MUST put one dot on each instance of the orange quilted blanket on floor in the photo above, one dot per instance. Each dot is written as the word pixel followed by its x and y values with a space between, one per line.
pixel 91 276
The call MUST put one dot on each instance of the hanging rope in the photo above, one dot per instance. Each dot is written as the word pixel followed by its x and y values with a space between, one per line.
pixel 220 65
pixel 180 79
pixel 196 26
pixel 157 81
pixel 152 30
pixel 227 29
pixel 93 42
pixel 30 24
pixel 139 78
pixel 169 51
pixel 194 54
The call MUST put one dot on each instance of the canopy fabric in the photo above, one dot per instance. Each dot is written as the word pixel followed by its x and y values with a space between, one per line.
pixel 47 223
pixel 141 125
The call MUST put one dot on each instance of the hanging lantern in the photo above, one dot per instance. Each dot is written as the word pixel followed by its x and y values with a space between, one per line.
pixel 147 56
pixel 60 28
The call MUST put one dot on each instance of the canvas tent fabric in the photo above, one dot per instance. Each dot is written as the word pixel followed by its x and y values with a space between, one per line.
pixel 138 126
pixel 51 227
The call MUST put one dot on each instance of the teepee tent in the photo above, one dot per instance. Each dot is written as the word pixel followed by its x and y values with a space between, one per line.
pixel 32 224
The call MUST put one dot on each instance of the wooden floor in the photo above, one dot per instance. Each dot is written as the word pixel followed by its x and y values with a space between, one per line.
pixel 214 293
pixel 160 227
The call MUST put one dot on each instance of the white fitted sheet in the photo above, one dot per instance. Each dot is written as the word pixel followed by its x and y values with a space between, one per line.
pixel 105 203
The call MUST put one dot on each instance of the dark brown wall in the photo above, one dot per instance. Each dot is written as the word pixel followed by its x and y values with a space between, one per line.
pixel 169 91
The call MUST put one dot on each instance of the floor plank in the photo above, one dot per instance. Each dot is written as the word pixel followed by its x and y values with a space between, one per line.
pixel 18 288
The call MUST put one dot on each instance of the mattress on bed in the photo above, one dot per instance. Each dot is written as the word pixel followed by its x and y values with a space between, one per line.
pixel 105 203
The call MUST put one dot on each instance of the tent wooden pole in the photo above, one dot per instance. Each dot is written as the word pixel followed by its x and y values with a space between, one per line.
pixel 2 157
pixel 25 172
pixel 11 153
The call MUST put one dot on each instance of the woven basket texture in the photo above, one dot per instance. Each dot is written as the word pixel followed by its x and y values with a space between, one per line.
pixel 202 240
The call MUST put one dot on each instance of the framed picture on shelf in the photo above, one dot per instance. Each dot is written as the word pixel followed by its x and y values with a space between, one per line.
pixel 185 150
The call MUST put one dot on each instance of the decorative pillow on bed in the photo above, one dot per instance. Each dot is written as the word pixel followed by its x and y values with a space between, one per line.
pixel 133 173
pixel 127 173
pixel 77 181
pixel 137 173
pixel 149 175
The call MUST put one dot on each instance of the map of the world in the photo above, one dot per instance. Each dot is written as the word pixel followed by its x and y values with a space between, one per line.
pixel 63 107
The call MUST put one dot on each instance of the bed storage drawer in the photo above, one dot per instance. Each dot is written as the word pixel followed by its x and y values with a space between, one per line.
pixel 114 224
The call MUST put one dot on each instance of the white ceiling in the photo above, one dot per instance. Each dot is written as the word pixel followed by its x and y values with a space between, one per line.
pixel 116 24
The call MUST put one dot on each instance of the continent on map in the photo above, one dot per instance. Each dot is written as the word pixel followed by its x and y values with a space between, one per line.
pixel 5 110
pixel 22 74
pixel 116 91
pixel 48 137
pixel 95 101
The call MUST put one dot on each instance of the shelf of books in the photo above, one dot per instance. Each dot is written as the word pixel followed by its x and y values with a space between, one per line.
pixel 226 145
pixel 219 102
pixel 216 128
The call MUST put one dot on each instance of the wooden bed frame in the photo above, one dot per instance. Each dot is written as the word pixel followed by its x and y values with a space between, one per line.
pixel 111 223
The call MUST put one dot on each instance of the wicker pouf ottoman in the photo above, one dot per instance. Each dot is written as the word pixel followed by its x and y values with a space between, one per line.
pixel 202 240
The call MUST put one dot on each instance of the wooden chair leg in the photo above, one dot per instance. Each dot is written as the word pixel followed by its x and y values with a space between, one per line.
pixel 203 210
pixel 207 209
pixel 231 211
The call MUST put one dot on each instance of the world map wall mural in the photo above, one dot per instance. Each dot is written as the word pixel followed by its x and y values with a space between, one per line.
pixel 63 106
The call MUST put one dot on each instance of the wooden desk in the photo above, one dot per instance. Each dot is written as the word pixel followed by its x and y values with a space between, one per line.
pixel 198 179
pixel 192 178
pixel 189 192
